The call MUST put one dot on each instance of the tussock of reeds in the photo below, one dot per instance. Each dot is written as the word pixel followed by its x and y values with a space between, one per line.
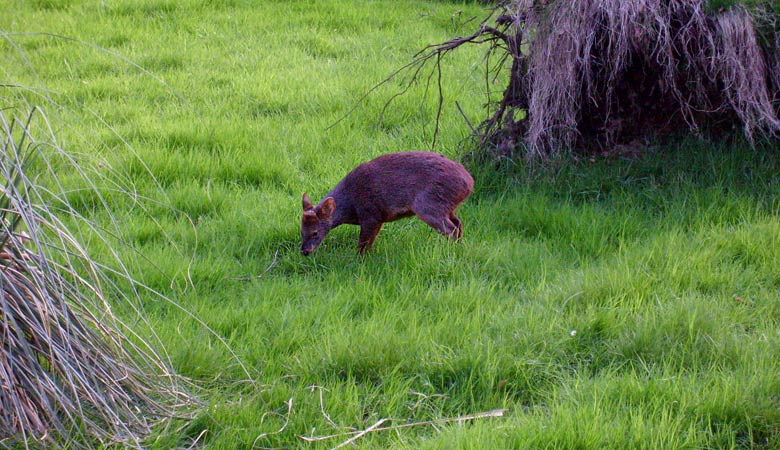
pixel 71 372
pixel 591 74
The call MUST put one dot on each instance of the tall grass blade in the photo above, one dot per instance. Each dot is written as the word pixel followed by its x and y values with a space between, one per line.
pixel 72 373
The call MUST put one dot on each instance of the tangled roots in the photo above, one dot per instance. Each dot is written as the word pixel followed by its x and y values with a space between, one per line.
pixel 591 74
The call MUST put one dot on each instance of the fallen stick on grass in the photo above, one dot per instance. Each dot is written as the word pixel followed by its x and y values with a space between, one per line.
pixel 376 427
pixel 261 275
pixel 360 434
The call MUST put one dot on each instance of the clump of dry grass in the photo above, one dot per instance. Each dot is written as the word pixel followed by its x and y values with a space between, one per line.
pixel 72 374
pixel 596 73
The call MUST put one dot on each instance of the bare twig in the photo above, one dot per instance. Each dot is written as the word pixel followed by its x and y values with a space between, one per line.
pixel 361 434
pixel 465 118
pixel 267 269
pixel 485 33
pixel 375 428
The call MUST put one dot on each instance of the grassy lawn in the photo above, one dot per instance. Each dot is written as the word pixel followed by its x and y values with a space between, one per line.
pixel 608 304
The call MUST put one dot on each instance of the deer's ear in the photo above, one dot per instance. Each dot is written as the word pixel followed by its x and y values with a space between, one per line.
pixel 306 203
pixel 325 211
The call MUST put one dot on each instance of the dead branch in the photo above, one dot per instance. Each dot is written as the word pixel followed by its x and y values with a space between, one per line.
pixel 376 427
pixel 262 274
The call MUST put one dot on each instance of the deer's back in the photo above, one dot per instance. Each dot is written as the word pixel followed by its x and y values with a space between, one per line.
pixel 390 184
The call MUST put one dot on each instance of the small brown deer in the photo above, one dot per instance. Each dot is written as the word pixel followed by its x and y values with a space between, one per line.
pixel 389 188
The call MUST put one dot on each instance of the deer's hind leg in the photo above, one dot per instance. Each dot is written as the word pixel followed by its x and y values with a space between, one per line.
pixel 455 220
pixel 439 222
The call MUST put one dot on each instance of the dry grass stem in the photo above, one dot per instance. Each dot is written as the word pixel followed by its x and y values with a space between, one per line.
pixel 72 373
pixel 289 404
pixel 273 263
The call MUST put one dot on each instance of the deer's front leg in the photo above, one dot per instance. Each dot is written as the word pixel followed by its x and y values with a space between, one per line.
pixel 368 232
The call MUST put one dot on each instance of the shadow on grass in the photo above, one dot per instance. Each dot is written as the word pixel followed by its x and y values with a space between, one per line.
pixel 662 175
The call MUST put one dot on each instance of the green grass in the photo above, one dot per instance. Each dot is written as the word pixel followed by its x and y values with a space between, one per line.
pixel 614 304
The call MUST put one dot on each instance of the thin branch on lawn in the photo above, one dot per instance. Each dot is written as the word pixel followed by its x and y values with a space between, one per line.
pixel 361 434
pixel 262 274
pixel 375 428
pixel 484 34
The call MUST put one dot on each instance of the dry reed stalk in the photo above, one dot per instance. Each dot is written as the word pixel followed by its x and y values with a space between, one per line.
pixel 740 65
pixel 72 374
